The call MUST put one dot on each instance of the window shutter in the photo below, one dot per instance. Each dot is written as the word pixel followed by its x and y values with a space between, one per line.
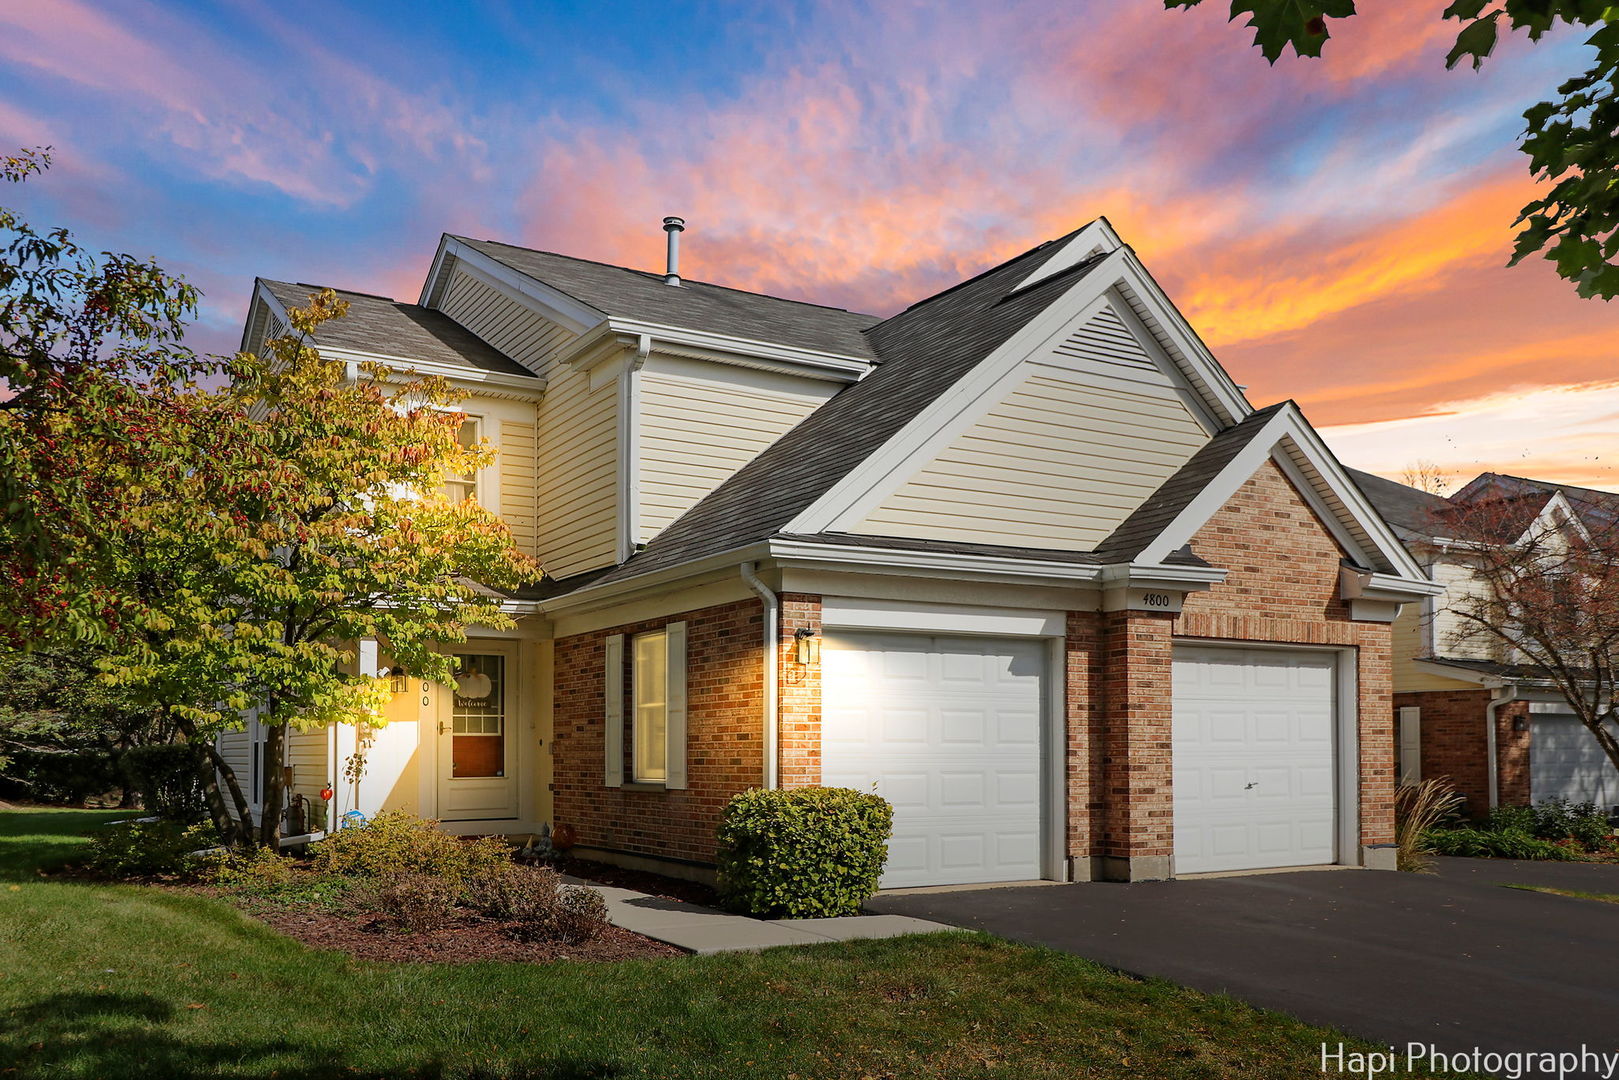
pixel 674 729
pixel 613 648
pixel 1410 745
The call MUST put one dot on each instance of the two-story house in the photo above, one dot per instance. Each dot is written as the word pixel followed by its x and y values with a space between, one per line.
pixel 1465 707
pixel 1022 558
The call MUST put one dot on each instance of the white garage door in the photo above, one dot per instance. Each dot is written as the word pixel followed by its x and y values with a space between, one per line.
pixel 1565 762
pixel 947 730
pixel 1253 759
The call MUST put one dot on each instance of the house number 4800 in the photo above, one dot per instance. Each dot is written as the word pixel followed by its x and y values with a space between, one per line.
pixel 1155 599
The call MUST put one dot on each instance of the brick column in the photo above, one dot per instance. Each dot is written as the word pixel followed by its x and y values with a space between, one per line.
pixel 1084 730
pixel 799 689
pixel 1374 685
pixel 1138 818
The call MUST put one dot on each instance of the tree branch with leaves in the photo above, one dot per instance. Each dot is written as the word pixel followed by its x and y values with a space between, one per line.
pixel 1570 140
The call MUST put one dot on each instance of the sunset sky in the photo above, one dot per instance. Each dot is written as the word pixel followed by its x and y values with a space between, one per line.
pixel 1336 229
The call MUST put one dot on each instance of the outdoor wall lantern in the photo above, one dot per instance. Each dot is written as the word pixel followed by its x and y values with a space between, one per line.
pixel 397 682
pixel 809 646
pixel 1519 724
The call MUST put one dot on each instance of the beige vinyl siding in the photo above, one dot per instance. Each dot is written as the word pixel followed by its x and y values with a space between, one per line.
pixel 577 465
pixel 306 753
pixel 517 483
pixel 694 433
pixel 1084 439
pixel 1410 640
pixel 522 334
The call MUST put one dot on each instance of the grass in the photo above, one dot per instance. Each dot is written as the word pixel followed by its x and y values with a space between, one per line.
pixel 115 981
pixel 1604 897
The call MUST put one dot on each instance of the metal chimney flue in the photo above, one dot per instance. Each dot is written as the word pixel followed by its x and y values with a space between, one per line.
pixel 674 227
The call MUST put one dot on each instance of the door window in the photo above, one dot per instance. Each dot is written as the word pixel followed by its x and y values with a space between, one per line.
pixel 478 717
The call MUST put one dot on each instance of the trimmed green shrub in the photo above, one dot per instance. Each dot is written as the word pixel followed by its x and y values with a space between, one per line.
pixel 516 894
pixel 395 843
pixel 1494 844
pixel 255 870
pixel 148 848
pixel 802 852
pixel 581 915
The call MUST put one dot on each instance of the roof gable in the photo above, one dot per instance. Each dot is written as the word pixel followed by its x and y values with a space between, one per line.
pixel 378 326
pixel 620 292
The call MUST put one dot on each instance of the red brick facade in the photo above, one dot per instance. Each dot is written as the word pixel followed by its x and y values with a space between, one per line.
pixel 724 738
pixel 1282 587
pixel 1455 744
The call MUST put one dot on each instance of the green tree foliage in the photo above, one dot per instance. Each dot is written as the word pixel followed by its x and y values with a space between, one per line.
pixel 1570 140
pixel 224 548
pixel 62 731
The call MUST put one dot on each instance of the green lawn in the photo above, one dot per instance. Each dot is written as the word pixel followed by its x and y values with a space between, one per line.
pixel 1606 898
pixel 125 981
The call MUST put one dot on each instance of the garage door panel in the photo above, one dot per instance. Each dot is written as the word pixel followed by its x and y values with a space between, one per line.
pixel 1565 761
pixel 1254 759
pixel 962 767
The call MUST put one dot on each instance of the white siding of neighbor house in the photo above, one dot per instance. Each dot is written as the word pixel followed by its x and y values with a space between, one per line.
pixel 307 753
pixel 1410 640
pixel 701 422
pixel 1089 434
pixel 1461 587
pixel 577 468
pixel 519 332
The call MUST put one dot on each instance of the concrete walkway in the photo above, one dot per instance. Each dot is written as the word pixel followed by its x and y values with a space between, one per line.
pixel 704 930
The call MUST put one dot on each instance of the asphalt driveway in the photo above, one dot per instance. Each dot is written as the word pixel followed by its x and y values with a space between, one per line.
pixel 1451 958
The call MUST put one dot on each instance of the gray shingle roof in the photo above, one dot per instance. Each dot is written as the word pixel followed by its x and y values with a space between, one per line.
pixel 925 350
pixel 376 324
pixel 695 305
pixel 1175 494
pixel 1409 508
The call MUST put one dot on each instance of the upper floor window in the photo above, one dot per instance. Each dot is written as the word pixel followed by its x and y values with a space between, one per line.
pixel 458 487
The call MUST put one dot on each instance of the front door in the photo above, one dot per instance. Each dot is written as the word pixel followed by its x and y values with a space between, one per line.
pixel 477 750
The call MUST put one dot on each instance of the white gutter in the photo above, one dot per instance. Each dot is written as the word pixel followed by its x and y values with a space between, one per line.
pixel 1501 696
pixel 771 660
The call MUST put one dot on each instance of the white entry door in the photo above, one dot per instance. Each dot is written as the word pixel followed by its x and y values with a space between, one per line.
pixel 946 729
pixel 477 745
pixel 1254 759
pixel 1565 762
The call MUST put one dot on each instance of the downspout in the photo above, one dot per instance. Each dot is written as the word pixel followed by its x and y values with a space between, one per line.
pixel 1500 696
pixel 772 660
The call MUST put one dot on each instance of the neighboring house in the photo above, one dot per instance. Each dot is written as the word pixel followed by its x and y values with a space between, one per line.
pixel 1465 709
pixel 1022 558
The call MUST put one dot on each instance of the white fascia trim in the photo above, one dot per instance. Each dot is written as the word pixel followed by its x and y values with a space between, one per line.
pixel 1358 585
pixel 531 385
pixel 724 349
pixel 1096 235
pixel 592 596
pixel 1289 424
pixel 845 504
pixel 1545 521
pixel 1138 575
pixel 892 560
pixel 552 303
pixel 1460 674
pixel 1198 362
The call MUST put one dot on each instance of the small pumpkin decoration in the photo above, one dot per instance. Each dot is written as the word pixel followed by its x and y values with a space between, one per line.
pixel 563 838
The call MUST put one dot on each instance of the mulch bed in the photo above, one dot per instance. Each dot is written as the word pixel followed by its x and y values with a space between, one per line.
pixel 466 941
pixel 668 888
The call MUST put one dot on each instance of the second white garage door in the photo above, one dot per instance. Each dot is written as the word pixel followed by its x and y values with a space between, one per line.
pixel 1566 762
pixel 948 730
pixel 1254 759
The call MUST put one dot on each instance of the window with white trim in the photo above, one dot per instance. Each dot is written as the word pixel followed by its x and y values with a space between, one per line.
pixel 653 665
pixel 649 718
pixel 461 486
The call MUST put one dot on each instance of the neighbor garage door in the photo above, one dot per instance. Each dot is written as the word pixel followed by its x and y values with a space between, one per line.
pixel 948 730
pixel 1565 762
pixel 1253 759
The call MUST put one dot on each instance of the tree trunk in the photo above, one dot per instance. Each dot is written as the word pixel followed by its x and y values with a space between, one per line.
pixel 275 747
pixel 215 767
